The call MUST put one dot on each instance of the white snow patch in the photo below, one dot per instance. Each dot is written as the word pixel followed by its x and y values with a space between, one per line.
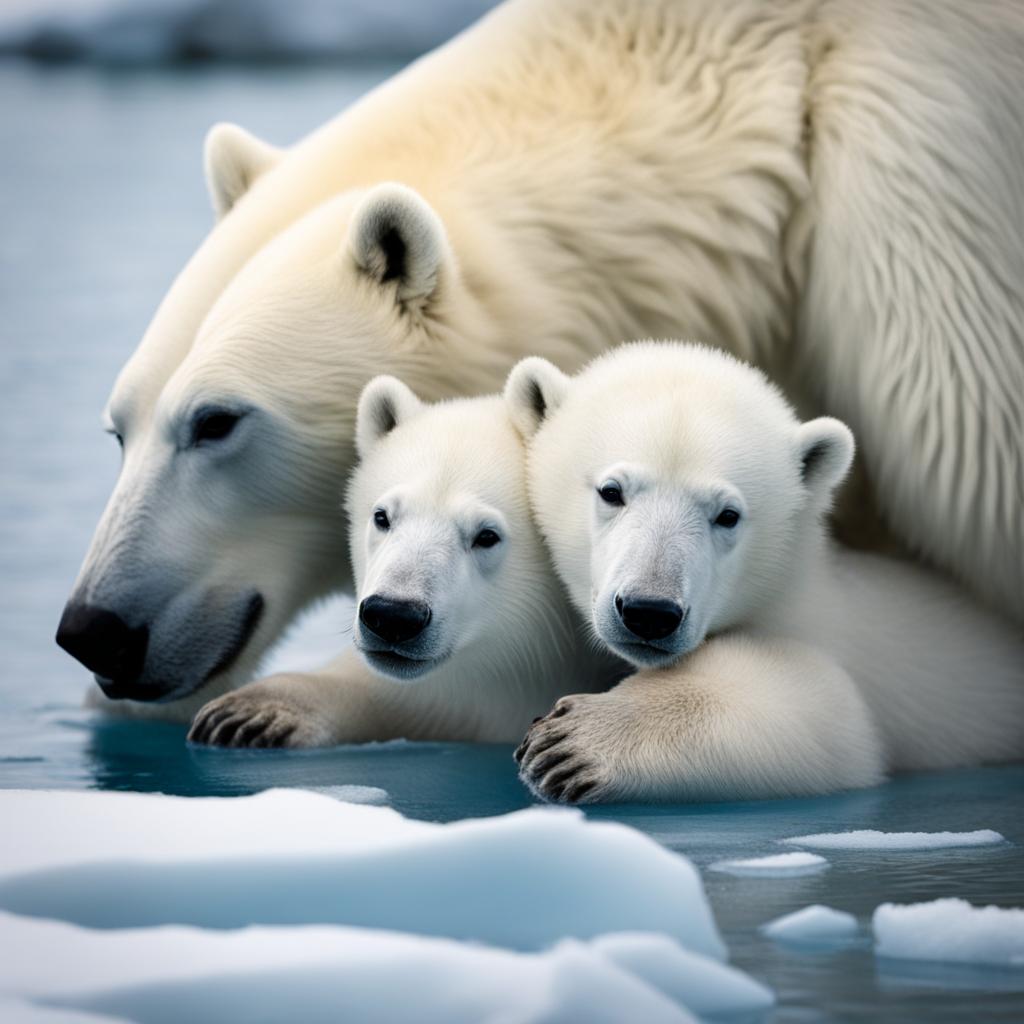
pixel 950 930
pixel 285 857
pixel 812 924
pixel 778 865
pixel 869 839
pixel 372 795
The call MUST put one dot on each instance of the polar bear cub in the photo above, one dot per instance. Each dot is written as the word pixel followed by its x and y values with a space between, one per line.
pixel 462 629
pixel 684 505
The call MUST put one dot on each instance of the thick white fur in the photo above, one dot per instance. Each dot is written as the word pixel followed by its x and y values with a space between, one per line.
pixel 831 189
pixel 510 641
pixel 800 667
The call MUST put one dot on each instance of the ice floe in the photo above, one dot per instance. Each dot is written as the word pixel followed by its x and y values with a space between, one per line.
pixel 523 880
pixel 777 865
pixel 330 973
pixel 869 839
pixel 315 909
pixel 950 930
pixel 812 924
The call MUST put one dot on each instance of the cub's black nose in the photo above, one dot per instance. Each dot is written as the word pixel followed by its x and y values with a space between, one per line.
pixel 103 642
pixel 395 622
pixel 650 618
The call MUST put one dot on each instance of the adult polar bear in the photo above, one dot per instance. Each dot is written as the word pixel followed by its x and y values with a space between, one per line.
pixel 831 190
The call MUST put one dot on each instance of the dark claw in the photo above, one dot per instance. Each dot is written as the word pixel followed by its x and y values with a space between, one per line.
pixel 521 750
pixel 537 719
pixel 543 743
pixel 556 783
pixel 225 731
pixel 574 794
pixel 542 765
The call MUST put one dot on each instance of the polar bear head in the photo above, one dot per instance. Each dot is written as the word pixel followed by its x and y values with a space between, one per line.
pixel 236 417
pixel 677 490
pixel 445 553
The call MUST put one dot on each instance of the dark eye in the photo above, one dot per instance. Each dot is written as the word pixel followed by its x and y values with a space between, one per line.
pixel 611 493
pixel 486 539
pixel 380 520
pixel 727 518
pixel 213 426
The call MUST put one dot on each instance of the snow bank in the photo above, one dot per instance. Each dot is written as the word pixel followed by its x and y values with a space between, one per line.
pixel 147 31
pixel 869 839
pixel 812 924
pixel 950 930
pixel 523 881
pixel 778 865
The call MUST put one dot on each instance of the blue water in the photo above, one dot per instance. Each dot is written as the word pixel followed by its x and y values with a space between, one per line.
pixel 101 202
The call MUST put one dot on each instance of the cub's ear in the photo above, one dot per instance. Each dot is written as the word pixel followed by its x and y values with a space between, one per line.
pixel 825 447
pixel 396 236
pixel 384 403
pixel 535 388
pixel 234 159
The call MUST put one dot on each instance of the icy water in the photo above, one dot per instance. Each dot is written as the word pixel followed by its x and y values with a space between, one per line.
pixel 101 202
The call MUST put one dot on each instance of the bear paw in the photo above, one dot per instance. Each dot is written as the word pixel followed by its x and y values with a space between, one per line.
pixel 250 717
pixel 561 758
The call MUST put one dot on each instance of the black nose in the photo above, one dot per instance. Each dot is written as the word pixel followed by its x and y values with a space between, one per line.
pixel 394 622
pixel 650 618
pixel 103 642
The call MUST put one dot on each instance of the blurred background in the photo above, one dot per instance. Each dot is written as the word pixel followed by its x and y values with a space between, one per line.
pixel 103 108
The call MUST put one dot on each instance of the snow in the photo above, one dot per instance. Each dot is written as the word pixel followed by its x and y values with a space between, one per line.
pixel 812 924
pixel 778 865
pixel 523 880
pixel 146 31
pixel 296 905
pixel 869 839
pixel 952 931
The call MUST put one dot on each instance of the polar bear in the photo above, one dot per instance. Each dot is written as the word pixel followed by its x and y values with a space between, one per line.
pixel 684 504
pixel 463 631
pixel 830 190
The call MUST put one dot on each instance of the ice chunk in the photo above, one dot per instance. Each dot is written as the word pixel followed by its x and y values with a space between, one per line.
pixel 319 974
pixel 950 930
pixel 353 794
pixel 778 865
pixel 702 985
pixel 869 839
pixel 812 924
pixel 524 880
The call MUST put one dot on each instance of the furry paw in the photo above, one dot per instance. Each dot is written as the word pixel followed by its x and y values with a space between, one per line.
pixel 259 715
pixel 562 758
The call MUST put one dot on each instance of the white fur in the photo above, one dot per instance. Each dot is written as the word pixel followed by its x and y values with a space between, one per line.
pixel 832 190
pixel 797 667
pixel 502 643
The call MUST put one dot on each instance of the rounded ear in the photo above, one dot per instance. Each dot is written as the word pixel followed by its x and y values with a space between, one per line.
pixel 396 236
pixel 825 448
pixel 233 159
pixel 535 388
pixel 384 404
